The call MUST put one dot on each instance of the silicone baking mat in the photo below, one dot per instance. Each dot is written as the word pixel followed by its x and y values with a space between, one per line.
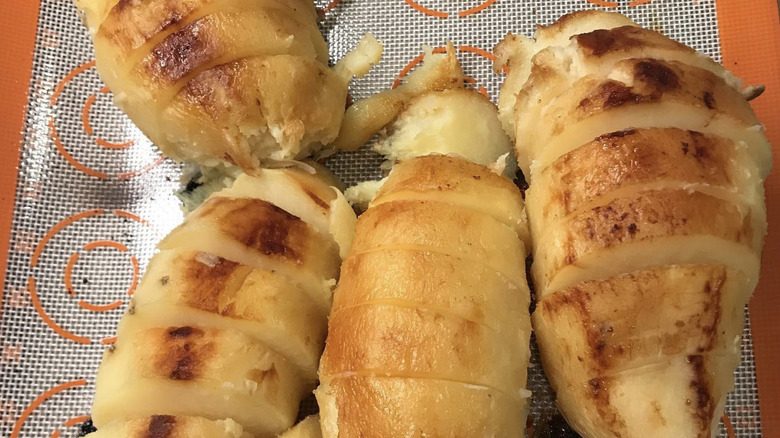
pixel 93 195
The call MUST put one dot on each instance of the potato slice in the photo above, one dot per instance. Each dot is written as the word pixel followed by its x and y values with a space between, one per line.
pixel 201 372
pixel 310 197
pixel 638 93
pixel 171 427
pixel 360 406
pixel 601 328
pixel 417 342
pixel 444 228
pixel 674 398
pixel 180 289
pixel 647 159
pixel 447 284
pixel 258 234
pixel 646 229
pixel 457 182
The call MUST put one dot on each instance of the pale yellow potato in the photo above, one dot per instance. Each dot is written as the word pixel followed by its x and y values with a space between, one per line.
pixel 180 289
pixel 412 341
pixel 254 111
pixel 371 406
pixel 643 224
pixel 187 370
pixel 682 396
pixel 638 93
pixel 363 119
pixel 308 428
pixel 601 328
pixel 271 95
pixel 444 122
pixel 431 280
pixel 171 427
pixel 258 234
pixel 311 197
pixel 444 228
pixel 455 181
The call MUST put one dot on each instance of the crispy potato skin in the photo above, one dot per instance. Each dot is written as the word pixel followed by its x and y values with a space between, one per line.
pixel 429 331
pixel 647 216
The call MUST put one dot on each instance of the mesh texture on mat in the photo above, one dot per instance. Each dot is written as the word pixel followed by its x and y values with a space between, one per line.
pixel 93 197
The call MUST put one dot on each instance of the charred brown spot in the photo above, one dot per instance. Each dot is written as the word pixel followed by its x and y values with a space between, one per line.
pixel 602 41
pixel 632 229
pixel 660 77
pixel 183 332
pixel 184 368
pixel 709 100
pixel 685 147
pixel 703 405
pixel 615 94
pixel 164 280
pixel 160 426
pixel 181 353
pixel 597 42
pixel 203 284
pixel 614 135
pixel 260 225
pixel 181 53
pixel 317 200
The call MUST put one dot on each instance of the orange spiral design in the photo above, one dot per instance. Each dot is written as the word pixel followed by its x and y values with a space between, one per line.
pixel 88 129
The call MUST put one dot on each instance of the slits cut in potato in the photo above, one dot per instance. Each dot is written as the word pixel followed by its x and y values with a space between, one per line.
pixel 429 334
pixel 170 426
pixel 181 288
pixel 224 81
pixel 186 370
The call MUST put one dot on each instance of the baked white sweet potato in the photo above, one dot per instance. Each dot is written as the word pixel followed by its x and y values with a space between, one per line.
pixel 647 216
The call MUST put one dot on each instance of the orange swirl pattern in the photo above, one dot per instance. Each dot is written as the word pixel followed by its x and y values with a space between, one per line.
pixel 88 129
pixel 442 14
pixel 71 265
pixel 40 400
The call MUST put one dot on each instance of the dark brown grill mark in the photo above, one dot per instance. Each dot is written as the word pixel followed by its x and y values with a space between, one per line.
pixel 615 94
pixel 657 75
pixel 614 135
pixel 180 53
pixel 203 284
pixel 709 100
pixel 184 368
pixel 160 426
pixel 703 403
pixel 182 332
pixel 597 42
pixel 259 225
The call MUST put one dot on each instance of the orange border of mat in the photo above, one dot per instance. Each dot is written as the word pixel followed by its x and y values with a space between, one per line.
pixel 750 42
pixel 754 59
pixel 19 22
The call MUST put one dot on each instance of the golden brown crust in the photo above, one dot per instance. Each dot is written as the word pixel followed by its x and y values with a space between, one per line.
pixel 459 182
pixel 442 228
pixel 636 158
pixel 374 407
pixel 417 342
pixel 447 283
